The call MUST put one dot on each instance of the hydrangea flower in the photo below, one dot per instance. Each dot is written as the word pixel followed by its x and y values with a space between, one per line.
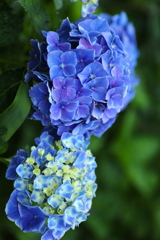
pixel 126 32
pixel 90 74
pixel 54 185
pixel 88 7
pixel 61 63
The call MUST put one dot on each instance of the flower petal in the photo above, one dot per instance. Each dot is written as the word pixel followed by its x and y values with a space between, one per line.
pixel 55 72
pixel 54 58
pixel 82 111
pixel 69 70
pixel 55 112
pixel 52 38
pixel 69 58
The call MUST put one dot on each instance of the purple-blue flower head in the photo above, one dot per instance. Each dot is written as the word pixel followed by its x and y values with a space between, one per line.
pixel 90 76
pixel 54 185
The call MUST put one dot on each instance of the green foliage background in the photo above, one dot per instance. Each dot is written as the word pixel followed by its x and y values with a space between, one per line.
pixel 127 205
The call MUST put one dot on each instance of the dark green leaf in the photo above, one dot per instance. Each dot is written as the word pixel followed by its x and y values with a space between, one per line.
pixel 12 118
pixel 5 160
pixel 31 6
pixel 9 83
pixel 10 25
pixel 139 150
pixel 135 155
pixel 3 145
pixel 37 13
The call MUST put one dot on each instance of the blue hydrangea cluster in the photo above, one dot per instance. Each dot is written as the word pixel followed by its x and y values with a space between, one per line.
pixel 88 7
pixel 126 32
pixel 84 74
pixel 54 185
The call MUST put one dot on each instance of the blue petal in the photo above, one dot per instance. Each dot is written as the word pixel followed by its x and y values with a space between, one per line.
pixel 12 207
pixel 82 111
pixel 80 161
pixel 69 58
pixel 48 236
pixel 38 93
pixel 67 116
pixel 21 184
pixel 55 111
pixel 15 161
pixel 64 94
pixel 37 196
pixel 54 58
pixel 71 107
pixel 52 38
pixel 69 70
pixel 32 218
pixel 70 215
pixel 85 44
pixel 55 71
pixel 41 182
pixel 55 200
pixel 25 171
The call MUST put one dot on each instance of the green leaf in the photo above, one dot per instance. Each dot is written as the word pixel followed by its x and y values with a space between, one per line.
pixel 10 25
pixel 12 118
pixel 31 6
pixel 9 82
pixel 3 145
pixel 135 156
pixel 37 13
pixel 142 98
pixel 128 125
pixel 5 160
pixel 139 150
pixel 58 4
pixel 96 144
pixel 143 179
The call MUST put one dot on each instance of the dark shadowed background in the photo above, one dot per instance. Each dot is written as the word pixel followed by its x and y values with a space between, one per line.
pixel 127 205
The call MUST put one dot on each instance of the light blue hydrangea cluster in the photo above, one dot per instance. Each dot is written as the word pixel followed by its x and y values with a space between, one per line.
pixel 54 185
pixel 88 7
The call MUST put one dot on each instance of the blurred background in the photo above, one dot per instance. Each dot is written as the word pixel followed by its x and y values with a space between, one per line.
pixel 127 205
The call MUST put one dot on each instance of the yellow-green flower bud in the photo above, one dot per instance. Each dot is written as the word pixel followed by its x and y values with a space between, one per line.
pixel 30 160
pixel 47 172
pixel 41 151
pixel 49 157
pixel 36 171
pixel 48 191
